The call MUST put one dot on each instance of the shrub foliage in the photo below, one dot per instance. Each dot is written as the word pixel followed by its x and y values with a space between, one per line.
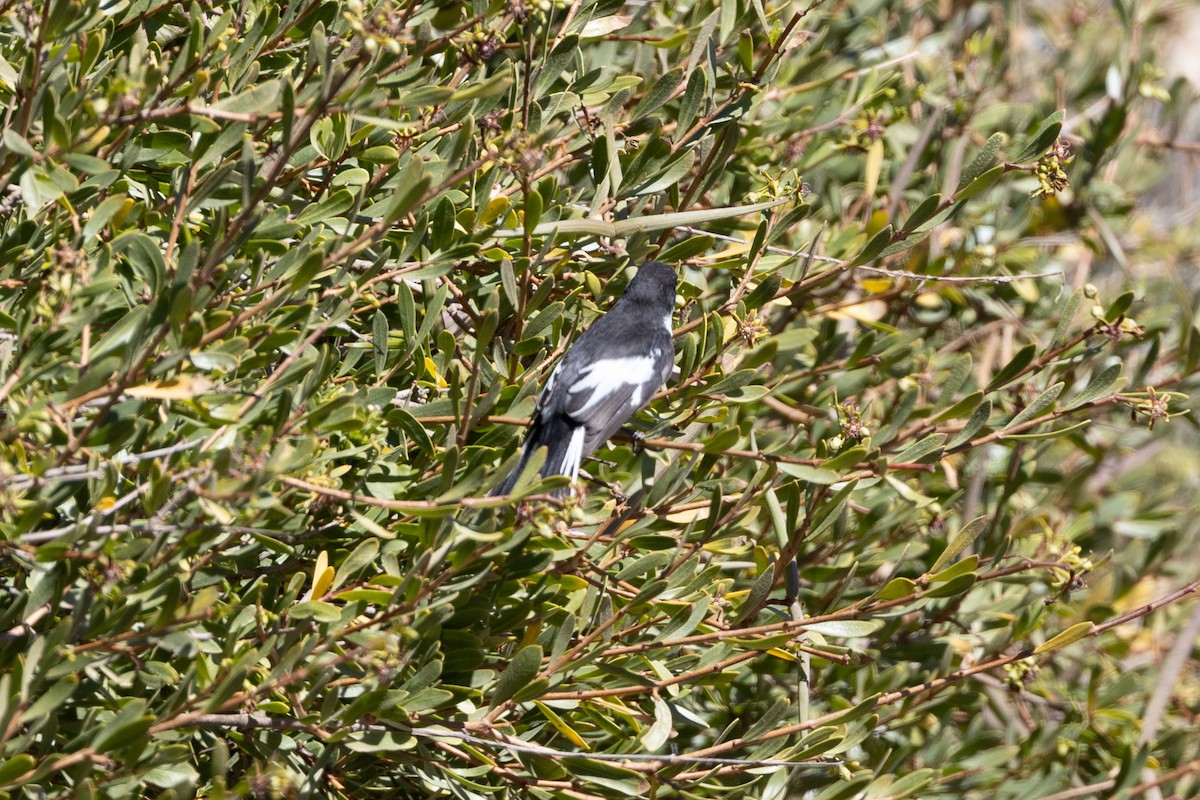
pixel 279 283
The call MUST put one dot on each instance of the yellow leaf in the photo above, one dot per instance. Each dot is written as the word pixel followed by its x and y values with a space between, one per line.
pixel 106 503
pixel 432 369
pixel 874 167
pixel 688 515
pixel 561 726
pixel 876 285
pixel 185 387
pixel 866 312
pixel 784 654
pixel 1027 290
pixel 1072 634
pixel 531 634
pixel 734 249
pixel 598 28
pixel 496 207
pixel 731 329
pixel 322 578
pixel 215 510
pixel 930 300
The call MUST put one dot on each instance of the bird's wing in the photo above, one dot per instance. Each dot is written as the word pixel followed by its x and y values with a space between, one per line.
pixel 606 393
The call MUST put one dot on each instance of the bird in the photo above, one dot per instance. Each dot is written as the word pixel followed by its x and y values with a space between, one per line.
pixel 610 373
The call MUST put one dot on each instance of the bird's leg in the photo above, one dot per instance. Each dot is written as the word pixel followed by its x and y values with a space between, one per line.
pixel 634 436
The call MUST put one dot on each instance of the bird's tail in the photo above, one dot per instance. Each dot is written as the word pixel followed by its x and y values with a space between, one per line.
pixel 564 444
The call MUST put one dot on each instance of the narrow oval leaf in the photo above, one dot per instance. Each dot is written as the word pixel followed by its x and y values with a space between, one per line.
pixel 845 628
pixel 669 176
pixel 1014 368
pixel 362 556
pixel 1099 386
pixel 520 672
pixel 978 418
pixel 961 541
pixel 16 768
pixel 1038 405
pixel 1079 630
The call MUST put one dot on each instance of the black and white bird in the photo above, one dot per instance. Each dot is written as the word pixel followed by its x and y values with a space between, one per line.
pixel 606 377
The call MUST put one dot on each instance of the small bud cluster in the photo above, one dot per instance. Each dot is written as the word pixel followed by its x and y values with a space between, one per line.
pixel 479 45
pixel 382 27
pixel 1155 406
pixel 1049 170
pixel 752 329
pixel 1019 674
pixel 853 427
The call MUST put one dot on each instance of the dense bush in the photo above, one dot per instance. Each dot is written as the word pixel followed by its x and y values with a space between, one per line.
pixel 279 283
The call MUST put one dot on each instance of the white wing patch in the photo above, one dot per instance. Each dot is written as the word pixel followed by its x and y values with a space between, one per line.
pixel 574 456
pixel 611 375
pixel 547 390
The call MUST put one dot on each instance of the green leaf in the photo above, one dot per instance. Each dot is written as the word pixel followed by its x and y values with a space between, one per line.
pixel 809 474
pixel 951 572
pixel 624 781
pixel 962 408
pixel 762 586
pixel 1039 404
pixel 957 585
pixel 1045 136
pixel 361 557
pixel 520 672
pixel 379 340
pixel 659 93
pixel 130 725
pixel 1101 385
pixel 412 187
pixel 1067 316
pixel 874 247
pixel 764 292
pixel 258 100
pixel 897 588
pixel 316 610
pixel 845 628
pixel 979 185
pixel 17 768
pixel 335 204
pixel 847 459
pixel 922 213
pixel 983 161
pixel 918 450
pixel 907 784
pixel 1079 630
pixel 688 248
pixel 562 57
pixel 494 85
pixel 533 210
pixel 101 215
pixel 657 734
pixel 669 176
pixel 1014 368
pixel 1049 434
pixel 1119 307
pixel 978 419
pixel 693 96
pixel 961 541
pixel 120 334
pixel 51 699
pixel 14 142
pixel 167 776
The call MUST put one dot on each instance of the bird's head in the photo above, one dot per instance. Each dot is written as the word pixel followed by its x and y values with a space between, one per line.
pixel 655 284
